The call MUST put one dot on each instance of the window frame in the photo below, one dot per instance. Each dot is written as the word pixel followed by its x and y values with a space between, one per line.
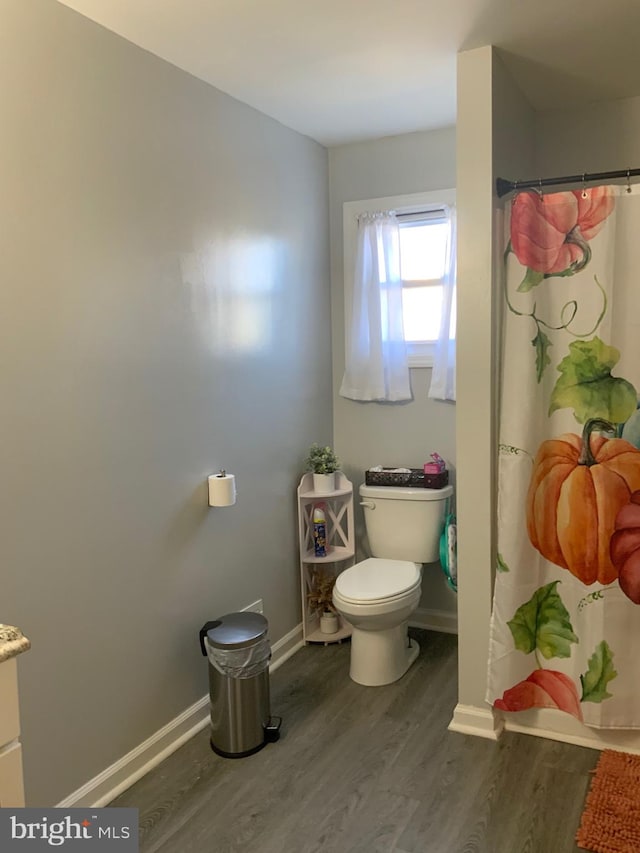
pixel 420 353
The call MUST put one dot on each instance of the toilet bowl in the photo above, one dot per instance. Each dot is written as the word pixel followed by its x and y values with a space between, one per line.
pixel 378 595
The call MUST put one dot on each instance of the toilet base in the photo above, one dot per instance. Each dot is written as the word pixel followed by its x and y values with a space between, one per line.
pixel 381 657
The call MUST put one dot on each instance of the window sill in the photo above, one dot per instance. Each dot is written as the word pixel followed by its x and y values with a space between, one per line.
pixel 421 354
pixel 420 361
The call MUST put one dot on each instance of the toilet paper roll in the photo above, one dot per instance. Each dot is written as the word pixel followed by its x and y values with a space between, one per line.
pixel 222 490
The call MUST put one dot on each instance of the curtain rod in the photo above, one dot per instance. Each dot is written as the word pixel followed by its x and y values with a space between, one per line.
pixel 431 210
pixel 503 186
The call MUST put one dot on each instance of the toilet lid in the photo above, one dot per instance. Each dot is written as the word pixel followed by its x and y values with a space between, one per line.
pixel 376 579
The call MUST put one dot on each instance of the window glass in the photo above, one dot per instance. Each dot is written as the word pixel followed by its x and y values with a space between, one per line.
pixel 421 309
pixel 423 249
pixel 423 254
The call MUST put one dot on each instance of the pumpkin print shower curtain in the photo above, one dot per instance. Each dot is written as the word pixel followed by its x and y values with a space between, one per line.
pixel 565 630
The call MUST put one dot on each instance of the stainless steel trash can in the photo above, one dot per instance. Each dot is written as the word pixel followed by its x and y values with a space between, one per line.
pixel 239 653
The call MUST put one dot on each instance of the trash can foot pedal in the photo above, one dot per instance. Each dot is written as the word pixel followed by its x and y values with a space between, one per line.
pixel 272 729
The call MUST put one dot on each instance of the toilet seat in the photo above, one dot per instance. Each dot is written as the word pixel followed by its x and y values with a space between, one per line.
pixel 372 602
pixel 378 581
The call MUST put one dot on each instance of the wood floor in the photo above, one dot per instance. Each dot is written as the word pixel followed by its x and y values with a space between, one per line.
pixel 366 770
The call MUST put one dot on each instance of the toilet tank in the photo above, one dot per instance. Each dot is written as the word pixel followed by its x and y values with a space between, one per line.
pixel 404 523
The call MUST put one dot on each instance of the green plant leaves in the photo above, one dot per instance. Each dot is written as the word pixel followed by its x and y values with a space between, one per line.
pixel 600 673
pixel 322 460
pixel 543 623
pixel 541 343
pixel 587 386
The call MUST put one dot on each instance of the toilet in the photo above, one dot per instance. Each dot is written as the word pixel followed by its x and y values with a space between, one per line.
pixel 378 595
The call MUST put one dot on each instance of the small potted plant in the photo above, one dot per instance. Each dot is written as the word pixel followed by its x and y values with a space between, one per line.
pixel 320 600
pixel 323 463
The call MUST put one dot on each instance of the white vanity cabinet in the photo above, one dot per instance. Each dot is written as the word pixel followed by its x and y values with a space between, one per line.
pixel 11 781
pixel 340 548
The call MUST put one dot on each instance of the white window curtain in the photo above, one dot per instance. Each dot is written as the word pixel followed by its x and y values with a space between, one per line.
pixel 443 376
pixel 377 367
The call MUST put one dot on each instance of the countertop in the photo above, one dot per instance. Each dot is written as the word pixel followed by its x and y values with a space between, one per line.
pixel 12 642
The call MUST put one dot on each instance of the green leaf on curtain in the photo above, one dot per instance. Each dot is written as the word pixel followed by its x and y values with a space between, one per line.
pixel 600 673
pixel 542 343
pixel 532 279
pixel 501 566
pixel 587 386
pixel 543 623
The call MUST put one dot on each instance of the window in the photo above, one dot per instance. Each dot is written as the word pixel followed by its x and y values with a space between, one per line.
pixel 423 252
pixel 423 256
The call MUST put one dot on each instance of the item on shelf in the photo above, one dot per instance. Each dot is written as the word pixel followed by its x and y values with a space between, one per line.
pixel 320 596
pixel 408 477
pixel 319 531
pixel 324 484
pixel 323 463
pixel 329 622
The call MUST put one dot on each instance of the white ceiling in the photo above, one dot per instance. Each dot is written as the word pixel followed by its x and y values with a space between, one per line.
pixel 346 70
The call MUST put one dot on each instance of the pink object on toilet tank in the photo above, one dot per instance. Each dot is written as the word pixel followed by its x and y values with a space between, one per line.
pixel 436 466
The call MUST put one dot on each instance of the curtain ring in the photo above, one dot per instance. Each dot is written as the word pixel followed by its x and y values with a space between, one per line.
pixel 628 181
pixel 584 186
pixel 538 189
pixel 515 192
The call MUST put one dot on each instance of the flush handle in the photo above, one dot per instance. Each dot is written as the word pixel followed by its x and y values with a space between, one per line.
pixel 368 504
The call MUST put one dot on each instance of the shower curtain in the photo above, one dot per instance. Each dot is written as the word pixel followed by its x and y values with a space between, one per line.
pixel 565 629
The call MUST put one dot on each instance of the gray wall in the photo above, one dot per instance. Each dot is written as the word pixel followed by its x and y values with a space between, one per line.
pixel 596 137
pixel 165 313
pixel 368 434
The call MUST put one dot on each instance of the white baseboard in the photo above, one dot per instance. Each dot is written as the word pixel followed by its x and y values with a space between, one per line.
pixel 481 722
pixel 286 647
pixel 542 722
pixel 434 620
pixel 115 779
pixel 556 725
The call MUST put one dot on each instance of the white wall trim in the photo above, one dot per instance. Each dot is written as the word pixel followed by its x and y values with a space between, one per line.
pixel 120 775
pixel 556 725
pixel 542 722
pixel 434 620
pixel 481 722
pixel 286 647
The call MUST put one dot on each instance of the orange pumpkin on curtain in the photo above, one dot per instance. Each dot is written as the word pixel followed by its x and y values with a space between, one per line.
pixel 578 485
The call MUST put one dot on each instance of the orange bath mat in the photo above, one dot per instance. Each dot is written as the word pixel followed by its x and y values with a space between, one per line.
pixel 611 819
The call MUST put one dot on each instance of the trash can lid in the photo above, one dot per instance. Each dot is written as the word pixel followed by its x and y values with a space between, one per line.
pixel 237 630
